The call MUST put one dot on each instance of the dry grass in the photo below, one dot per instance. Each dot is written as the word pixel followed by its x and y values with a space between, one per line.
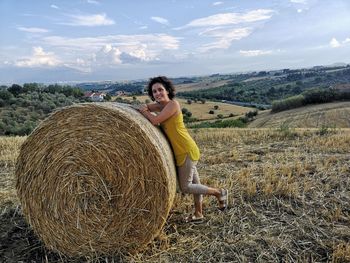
pixel 9 149
pixel 335 114
pixel 290 200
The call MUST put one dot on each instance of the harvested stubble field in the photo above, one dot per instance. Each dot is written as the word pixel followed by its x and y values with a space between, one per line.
pixel 290 193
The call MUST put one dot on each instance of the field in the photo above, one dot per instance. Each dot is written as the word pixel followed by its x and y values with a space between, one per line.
pixel 201 111
pixel 335 114
pixel 290 202
pixel 205 84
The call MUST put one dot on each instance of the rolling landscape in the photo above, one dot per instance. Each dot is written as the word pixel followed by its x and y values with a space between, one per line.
pixel 287 170
pixel 87 174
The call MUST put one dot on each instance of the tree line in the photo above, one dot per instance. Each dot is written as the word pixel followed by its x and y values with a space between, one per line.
pixel 23 107
pixel 312 96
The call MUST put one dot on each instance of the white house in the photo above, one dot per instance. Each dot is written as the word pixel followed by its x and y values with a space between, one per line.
pixel 95 96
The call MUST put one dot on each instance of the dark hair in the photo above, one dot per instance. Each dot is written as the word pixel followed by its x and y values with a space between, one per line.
pixel 168 85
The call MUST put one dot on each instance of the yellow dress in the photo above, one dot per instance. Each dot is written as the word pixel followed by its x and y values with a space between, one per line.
pixel 180 140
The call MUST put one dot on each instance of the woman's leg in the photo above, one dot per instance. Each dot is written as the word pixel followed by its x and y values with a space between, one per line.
pixel 198 198
pixel 190 183
pixel 186 172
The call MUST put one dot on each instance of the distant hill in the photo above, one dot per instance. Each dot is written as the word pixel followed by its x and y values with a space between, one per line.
pixel 335 114
pixel 264 87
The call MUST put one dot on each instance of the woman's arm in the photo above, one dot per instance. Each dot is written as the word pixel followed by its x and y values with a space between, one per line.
pixel 169 110
pixel 152 107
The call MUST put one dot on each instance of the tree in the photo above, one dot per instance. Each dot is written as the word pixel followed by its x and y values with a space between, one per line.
pixel 30 87
pixel 211 112
pixel 5 95
pixel 108 97
pixel 15 89
pixel 188 114
pixel 216 107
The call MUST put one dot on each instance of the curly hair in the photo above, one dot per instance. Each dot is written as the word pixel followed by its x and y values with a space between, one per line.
pixel 168 85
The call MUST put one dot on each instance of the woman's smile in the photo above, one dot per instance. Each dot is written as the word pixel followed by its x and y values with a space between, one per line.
pixel 160 93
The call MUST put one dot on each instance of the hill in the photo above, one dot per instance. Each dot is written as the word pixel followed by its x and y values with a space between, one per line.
pixel 266 86
pixel 335 114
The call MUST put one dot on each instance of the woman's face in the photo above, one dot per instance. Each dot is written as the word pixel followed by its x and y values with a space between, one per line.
pixel 160 93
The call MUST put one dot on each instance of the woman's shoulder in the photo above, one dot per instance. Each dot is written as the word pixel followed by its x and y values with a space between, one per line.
pixel 176 103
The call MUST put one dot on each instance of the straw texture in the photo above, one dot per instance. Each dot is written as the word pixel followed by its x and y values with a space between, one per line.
pixel 96 179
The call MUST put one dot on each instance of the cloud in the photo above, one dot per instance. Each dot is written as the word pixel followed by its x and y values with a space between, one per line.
pixel 255 53
pixel 218 3
pixel 113 49
pixel 223 27
pixel 160 20
pixel 230 18
pixel 93 2
pixel 108 55
pixel 54 6
pixel 153 41
pixel 224 37
pixel 39 58
pixel 334 43
pixel 299 1
pixel 32 29
pixel 347 40
pixel 89 20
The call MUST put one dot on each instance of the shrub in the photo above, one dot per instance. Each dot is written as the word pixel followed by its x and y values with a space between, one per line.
pixel 188 114
pixel 251 114
pixel 211 112
pixel 289 103
pixel 319 95
pixel 219 124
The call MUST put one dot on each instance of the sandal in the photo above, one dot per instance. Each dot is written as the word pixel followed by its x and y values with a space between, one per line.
pixel 223 200
pixel 194 219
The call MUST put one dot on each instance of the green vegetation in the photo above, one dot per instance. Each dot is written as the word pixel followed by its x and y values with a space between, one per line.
pixel 312 96
pixel 221 123
pixel 288 103
pixel 135 88
pixel 240 123
pixel 23 107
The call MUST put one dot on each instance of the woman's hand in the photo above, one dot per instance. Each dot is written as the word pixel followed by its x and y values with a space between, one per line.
pixel 143 108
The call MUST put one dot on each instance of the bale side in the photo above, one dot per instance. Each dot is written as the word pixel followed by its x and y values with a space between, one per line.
pixel 96 179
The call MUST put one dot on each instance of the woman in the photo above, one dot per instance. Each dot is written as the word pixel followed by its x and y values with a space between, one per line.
pixel 161 90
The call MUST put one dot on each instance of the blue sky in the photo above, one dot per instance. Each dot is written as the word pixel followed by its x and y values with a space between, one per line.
pixel 94 40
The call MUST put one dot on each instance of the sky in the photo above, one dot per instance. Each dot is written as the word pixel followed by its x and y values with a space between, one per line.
pixel 100 40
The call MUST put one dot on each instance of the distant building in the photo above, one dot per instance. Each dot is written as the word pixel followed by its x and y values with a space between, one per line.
pixel 95 96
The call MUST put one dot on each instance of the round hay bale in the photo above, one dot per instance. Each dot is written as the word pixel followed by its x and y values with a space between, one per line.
pixel 96 179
